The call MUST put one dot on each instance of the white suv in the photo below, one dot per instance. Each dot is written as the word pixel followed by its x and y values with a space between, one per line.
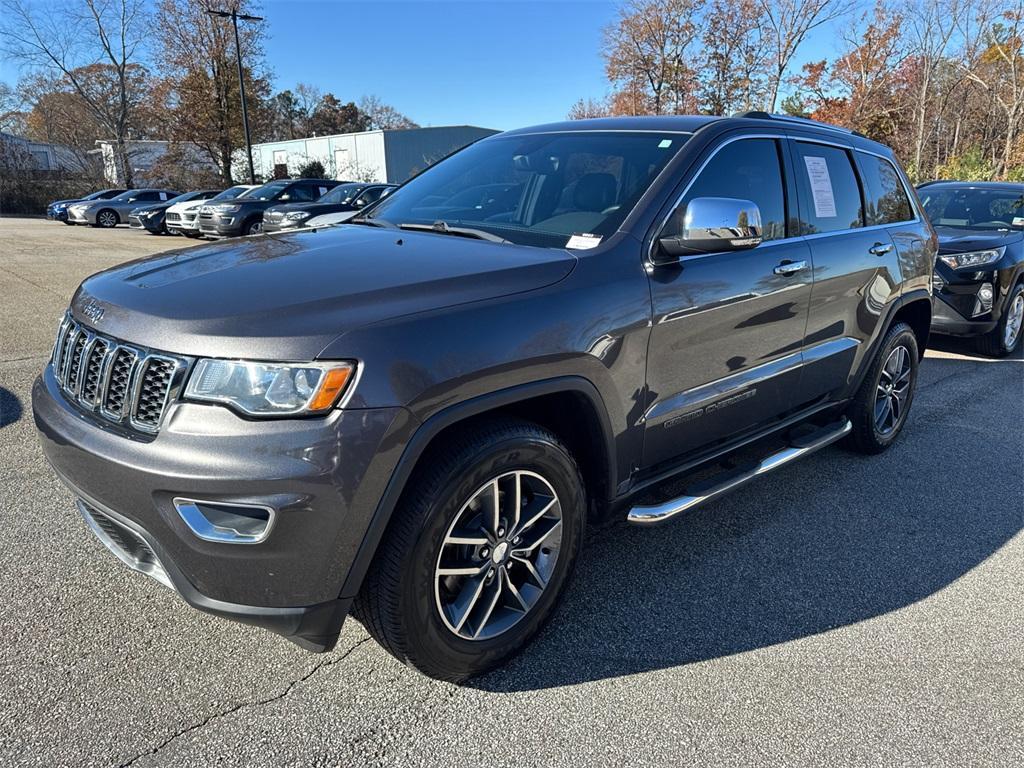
pixel 183 218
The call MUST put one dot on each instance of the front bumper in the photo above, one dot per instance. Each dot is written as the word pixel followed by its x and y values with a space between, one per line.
pixel 324 478
pixel 57 214
pixel 957 308
pixel 81 217
pixel 153 226
pixel 186 222
pixel 221 226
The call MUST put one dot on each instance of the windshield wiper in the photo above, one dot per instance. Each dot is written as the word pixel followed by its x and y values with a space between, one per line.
pixel 370 222
pixel 444 228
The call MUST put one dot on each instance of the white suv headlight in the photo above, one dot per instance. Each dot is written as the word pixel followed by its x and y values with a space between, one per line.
pixel 270 389
pixel 973 258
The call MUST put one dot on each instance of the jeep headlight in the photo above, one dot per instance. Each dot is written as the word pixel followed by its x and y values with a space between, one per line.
pixel 972 258
pixel 270 389
pixel 296 216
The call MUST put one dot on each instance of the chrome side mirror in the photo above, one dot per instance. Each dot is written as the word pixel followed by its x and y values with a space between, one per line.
pixel 709 225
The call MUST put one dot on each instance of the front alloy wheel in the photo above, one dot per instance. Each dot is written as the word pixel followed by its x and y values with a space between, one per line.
pixel 479 550
pixel 498 555
pixel 106 219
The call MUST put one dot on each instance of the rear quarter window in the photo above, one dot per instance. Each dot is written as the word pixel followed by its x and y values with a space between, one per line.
pixel 885 198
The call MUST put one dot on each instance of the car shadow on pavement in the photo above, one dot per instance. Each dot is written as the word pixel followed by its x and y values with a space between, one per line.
pixel 10 407
pixel 837 539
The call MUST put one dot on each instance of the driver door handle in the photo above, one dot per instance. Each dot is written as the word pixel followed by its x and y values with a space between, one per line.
pixel 790 268
pixel 880 249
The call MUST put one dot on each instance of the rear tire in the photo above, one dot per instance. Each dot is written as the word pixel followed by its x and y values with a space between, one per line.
pixel 455 626
pixel 1004 339
pixel 880 408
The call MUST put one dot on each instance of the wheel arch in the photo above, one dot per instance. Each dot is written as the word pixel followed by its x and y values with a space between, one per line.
pixel 915 311
pixel 569 406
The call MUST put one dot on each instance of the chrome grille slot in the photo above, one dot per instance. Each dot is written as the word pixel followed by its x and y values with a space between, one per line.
pixel 153 388
pixel 172 217
pixel 92 374
pixel 74 364
pixel 113 381
pixel 118 381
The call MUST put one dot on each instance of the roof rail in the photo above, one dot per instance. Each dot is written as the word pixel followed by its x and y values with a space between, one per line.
pixel 759 115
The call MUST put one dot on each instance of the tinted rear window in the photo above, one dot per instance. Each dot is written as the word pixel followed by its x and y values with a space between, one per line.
pixel 886 200
pixel 829 192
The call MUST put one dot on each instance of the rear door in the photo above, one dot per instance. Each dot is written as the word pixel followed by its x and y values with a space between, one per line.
pixel 724 352
pixel 856 264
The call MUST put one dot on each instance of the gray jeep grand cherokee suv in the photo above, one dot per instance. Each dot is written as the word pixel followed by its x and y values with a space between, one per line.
pixel 413 416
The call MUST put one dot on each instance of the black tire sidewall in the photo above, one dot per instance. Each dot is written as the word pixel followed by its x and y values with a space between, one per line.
pixel 248 229
pixel 1001 326
pixel 900 336
pixel 431 644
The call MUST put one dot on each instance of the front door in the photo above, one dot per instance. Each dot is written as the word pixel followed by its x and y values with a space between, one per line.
pixel 725 348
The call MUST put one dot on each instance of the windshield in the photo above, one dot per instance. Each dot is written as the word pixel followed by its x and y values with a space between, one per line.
pixel 232 192
pixel 268 191
pixel 966 207
pixel 188 196
pixel 341 193
pixel 538 189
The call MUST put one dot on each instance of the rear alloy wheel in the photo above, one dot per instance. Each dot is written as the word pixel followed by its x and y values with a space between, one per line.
pixel 479 551
pixel 106 218
pixel 1005 337
pixel 879 409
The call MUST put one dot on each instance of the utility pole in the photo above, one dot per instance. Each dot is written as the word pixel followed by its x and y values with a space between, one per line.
pixel 234 15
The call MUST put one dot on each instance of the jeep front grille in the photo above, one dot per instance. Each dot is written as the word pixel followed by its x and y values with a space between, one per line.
pixel 117 382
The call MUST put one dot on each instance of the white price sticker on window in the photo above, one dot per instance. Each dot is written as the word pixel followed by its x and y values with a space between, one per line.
pixel 821 187
pixel 583 240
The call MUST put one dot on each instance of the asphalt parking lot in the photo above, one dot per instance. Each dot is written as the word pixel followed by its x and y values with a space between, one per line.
pixel 843 611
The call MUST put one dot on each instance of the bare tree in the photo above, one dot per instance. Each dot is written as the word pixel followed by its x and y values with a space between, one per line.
pixel 733 74
pixel 587 108
pixel 381 116
pixel 73 43
pixel 993 59
pixel 646 51
pixel 786 25
pixel 929 26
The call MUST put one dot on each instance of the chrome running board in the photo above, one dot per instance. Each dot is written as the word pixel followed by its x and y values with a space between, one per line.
pixel 719 486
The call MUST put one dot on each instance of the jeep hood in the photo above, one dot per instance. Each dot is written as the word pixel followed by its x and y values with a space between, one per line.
pixel 285 297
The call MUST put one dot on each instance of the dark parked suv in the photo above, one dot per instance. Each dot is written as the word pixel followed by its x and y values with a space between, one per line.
pixel 244 215
pixel 979 275
pixel 413 416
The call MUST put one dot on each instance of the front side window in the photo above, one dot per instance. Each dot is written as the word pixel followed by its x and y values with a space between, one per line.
pixel 886 200
pixel 747 169
pixel 828 187
pixel 538 189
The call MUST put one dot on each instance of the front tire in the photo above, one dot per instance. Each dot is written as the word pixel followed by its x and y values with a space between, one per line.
pixel 880 408
pixel 253 227
pixel 107 219
pixel 1004 339
pixel 479 551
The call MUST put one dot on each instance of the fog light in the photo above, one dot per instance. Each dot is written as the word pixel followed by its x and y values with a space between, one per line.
pixel 226 522
pixel 983 303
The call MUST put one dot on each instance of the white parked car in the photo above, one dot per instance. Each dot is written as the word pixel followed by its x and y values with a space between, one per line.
pixel 183 218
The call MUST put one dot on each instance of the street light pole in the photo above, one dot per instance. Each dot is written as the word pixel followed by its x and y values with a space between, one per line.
pixel 234 15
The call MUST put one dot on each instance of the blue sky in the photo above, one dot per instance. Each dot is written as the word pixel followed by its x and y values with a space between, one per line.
pixel 494 63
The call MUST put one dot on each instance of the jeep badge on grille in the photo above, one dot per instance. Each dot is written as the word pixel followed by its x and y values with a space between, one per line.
pixel 92 310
